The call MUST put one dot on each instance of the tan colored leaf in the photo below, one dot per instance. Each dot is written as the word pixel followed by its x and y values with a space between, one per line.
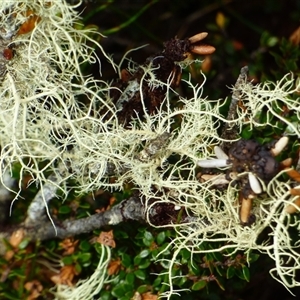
pixel 65 276
pixel 35 288
pixel 9 255
pixel 69 245
pixel 149 296
pixel 107 238
pixel 114 267
pixel 15 240
pixel 17 237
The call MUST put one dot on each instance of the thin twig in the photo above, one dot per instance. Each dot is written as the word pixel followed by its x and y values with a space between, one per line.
pixel 129 209
pixel 230 131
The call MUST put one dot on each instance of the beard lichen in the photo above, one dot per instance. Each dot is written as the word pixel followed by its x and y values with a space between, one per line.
pixel 45 127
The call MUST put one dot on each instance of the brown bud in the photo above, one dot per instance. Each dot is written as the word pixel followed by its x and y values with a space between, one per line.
pixel 295 191
pixel 295 175
pixel 245 211
pixel 198 37
pixel 290 209
pixel 203 49
pixel 286 163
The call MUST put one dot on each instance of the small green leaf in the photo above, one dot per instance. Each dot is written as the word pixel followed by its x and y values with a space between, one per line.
pixel 23 244
pixel 140 274
pixel 84 205
pixel 165 249
pixel 84 257
pixel 78 268
pixel 161 237
pixel 137 260
pixel 145 264
pixel 144 253
pixel 230 272
pixel 129 278
pixel 122 275
pixel 143 289
pixel 272 41
pixel 64 209
pixel 243 273
pixel 146 243
pixel 199 285
pixel 246 133
pixel 126 260
pixel 182 281
pixel 85 246
pixel 106 295
pixel 119 290
pixel 67 260
pixel 246 273
pixel 157 282
pixel 98 248
pixel 186 255
pixel 148 236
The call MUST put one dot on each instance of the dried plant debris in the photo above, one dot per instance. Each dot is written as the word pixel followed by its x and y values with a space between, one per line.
pixel 145 88
pixel 6 46
pixel 12 29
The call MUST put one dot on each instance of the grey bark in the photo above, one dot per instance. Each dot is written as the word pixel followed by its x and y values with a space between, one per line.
pixel 130 209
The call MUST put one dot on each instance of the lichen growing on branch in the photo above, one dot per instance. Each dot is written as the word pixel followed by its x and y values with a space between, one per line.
pixel 55 120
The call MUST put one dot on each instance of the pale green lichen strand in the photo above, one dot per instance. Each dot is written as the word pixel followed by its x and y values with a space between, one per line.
pixel 41 118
